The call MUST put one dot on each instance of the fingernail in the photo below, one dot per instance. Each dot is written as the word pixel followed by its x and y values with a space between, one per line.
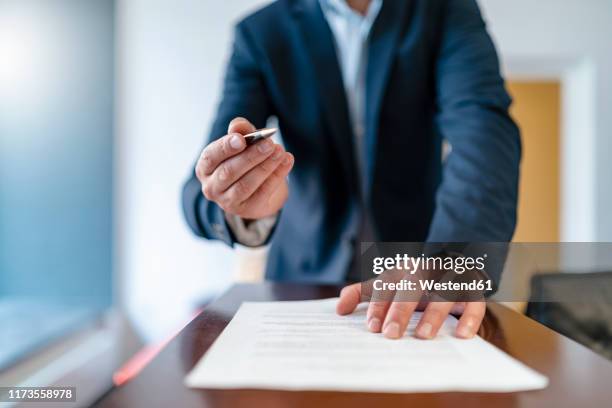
pixel 465 331
pixel 392 331
pixel 264 147
pixel 425 331
pixel 236 142
pixel 287 160
pixel 374 325
pixel 277 155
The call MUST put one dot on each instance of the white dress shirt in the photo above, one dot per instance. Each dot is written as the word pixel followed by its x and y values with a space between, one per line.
pixel 351 31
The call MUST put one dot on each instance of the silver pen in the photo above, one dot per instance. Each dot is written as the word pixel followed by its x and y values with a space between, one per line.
pixel 258 135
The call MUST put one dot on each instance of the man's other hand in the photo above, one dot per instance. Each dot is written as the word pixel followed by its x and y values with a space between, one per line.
pixel 250 182
pixel 391 316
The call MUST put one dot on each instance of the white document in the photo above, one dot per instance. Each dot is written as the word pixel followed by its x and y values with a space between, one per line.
pixel 306 346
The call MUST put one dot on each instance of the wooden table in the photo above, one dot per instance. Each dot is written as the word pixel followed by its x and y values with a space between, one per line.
pixel 578 377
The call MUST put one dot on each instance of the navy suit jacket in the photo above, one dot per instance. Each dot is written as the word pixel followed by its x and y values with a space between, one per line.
pixel 433 74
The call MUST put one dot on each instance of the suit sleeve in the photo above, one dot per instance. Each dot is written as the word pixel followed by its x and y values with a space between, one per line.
pixel 477 199
pixel 244 94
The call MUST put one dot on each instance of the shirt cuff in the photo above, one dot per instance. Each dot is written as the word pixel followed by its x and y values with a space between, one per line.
pixel 254 234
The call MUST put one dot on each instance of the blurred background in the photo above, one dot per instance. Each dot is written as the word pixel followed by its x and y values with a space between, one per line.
pixel 104 106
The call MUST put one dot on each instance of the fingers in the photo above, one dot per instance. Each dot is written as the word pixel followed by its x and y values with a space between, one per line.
pixel 247 181
pixel 350 297
pixel 234 168
pixel 397 314
pixel 255 177
pixel 434 316
pixel 380 301
pixel 376 314
pixel 379 306
pixel 217 152
pixel 255 187
pixel 470 321
pixel 225 147
pixel 267 185
pixel 398 317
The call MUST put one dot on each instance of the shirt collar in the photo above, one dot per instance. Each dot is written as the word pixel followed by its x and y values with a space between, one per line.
pixel 343 9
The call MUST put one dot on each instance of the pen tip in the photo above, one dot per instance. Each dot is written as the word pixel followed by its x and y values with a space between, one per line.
pixel 269 131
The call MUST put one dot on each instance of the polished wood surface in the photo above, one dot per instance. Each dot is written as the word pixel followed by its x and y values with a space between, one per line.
pixel 578 377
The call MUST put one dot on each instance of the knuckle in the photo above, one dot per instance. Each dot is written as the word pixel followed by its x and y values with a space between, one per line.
pixel 279 174
pixel 271 182
pixel 377 307
pixel 401 307
pixel 233 195
pixel 231 208
pixel 206 160
pixel 238 207
pixel 265 189
pixel 226 171
pixel 199 171
pixel 225 146
pixel 226 201
pixel 241 188
pixel 265 167
pixel 435 316
pixel 252 157
pixel 351 290
pixel 208 191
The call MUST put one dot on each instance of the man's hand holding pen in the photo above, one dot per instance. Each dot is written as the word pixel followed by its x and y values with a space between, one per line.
pixel 249 181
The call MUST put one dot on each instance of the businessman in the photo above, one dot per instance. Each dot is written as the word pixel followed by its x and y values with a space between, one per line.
pixel 365 92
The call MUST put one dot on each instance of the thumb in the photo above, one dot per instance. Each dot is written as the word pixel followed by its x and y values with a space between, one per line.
pixel 240 125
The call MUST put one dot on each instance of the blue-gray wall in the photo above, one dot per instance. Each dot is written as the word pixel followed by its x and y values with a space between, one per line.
pixel 56 149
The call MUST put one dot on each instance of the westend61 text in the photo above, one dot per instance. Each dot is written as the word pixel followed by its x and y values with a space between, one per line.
pixel 432 285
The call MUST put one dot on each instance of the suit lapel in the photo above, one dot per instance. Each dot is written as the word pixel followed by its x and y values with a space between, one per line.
pixel 319 43
pixel 383 43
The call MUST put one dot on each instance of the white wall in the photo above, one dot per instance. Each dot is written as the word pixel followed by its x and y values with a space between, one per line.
pixel 569 40
pixel 171 56
pixel 170 59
